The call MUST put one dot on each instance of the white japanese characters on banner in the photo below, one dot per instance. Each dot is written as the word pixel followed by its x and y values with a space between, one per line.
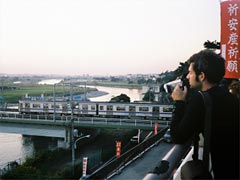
pixel 84 173
pixel 155 128
pixel 118 148
pixel 230 40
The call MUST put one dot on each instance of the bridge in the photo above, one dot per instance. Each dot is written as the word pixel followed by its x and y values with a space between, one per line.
pixel 61 126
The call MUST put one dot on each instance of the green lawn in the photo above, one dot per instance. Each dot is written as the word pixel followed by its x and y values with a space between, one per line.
pixel 12 95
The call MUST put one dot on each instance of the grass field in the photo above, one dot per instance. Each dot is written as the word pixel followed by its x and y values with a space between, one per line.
pixel 15 92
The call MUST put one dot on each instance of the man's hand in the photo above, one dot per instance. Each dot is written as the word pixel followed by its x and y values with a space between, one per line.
pixel 178 94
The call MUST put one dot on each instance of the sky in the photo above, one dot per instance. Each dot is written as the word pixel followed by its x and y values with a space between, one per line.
pixel 103 37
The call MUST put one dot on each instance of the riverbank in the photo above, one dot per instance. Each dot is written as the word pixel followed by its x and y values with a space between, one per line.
pixel 118 85
pixel 20 90
pixel 13 95
pixel 93 94
pixel 121 84
pixel 16 147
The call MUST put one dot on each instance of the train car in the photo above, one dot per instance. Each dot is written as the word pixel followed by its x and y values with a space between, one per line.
pixel 112 109
pixel 44 107
pixel 152 110
pixel 86 108
pixel 144 110
pixel 101 109
pixel 166 111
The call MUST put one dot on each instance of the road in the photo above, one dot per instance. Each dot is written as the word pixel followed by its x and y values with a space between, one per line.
pixel 141 166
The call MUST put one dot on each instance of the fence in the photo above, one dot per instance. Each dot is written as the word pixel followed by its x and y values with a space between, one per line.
pixel 15 117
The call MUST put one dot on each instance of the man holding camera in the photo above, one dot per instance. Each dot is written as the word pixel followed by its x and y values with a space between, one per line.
pixel 206 70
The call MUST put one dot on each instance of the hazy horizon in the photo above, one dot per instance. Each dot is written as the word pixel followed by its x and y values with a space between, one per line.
pixel 82 75
pixel 103 37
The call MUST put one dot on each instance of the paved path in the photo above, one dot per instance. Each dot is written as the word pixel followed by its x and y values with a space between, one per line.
pixel 141 166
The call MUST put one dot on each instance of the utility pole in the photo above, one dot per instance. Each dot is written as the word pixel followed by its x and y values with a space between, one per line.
pixel 54 102
pixel 85 96
pixel 1 95
pixel 72 129
pixel 63 90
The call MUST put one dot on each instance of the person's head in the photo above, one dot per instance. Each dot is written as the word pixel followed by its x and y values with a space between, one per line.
pixel 234 88
pixel 205 67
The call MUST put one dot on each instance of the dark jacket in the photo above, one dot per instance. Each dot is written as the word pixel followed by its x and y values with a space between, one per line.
pixel 188 119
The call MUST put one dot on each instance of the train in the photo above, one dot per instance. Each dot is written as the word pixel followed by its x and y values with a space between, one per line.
pixel 143 110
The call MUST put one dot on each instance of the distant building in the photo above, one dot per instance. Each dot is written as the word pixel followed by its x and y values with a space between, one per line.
pixel 160 96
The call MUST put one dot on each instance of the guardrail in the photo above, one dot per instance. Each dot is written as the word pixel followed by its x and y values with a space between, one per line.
pixel 117 164
pixel 167 166
pixel 83 121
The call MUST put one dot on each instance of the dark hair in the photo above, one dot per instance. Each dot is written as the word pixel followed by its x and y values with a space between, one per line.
pixel 210 63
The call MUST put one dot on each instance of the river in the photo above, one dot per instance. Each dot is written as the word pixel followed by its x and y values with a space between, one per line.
pixel 133 93
pixel 50 81
pixel 16 147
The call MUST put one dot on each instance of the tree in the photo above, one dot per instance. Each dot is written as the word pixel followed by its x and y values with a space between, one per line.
pixel 115 79
pixel 149 96
pixel 212 45
pixel 141 81
pixel 120 98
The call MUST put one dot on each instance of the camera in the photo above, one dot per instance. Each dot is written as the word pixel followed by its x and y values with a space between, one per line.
pixel 181 77
pixel 168 87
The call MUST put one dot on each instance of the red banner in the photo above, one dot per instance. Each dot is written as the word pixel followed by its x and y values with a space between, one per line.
pixel 155 128
pixel 118 148
pixel 230 40
pixel 84 173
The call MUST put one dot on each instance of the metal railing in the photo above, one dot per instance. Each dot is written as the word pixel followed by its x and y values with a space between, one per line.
pixel 117 164
pixel 167 166
pixel 82 121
